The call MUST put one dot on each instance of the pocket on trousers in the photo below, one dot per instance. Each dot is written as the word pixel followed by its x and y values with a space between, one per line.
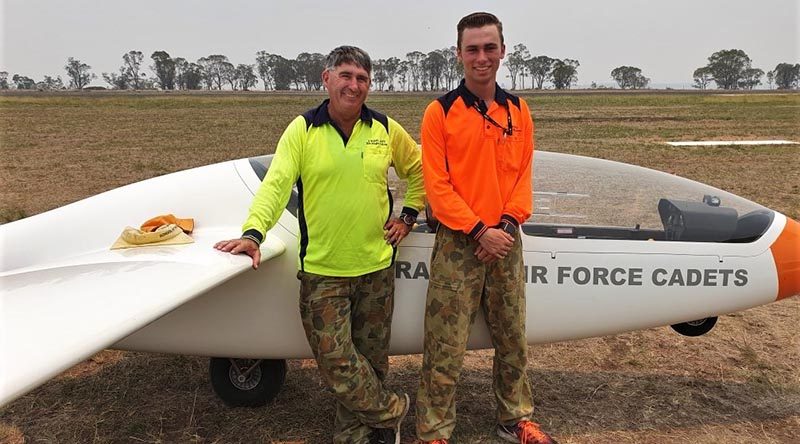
pixel 454 286
pixel 443 315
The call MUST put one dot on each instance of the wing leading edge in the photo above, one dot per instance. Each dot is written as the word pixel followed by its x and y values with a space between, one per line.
pixel 54 316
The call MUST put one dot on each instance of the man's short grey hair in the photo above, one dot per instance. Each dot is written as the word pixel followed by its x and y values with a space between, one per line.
pixel 348 54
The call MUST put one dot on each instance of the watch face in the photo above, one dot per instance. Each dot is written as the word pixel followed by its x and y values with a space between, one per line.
pixel 407 219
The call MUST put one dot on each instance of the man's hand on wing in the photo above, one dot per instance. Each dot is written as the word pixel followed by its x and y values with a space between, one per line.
pixel 236 246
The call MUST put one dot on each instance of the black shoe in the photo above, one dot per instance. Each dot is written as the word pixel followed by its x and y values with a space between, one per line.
pixel 383 436
pixel 391 436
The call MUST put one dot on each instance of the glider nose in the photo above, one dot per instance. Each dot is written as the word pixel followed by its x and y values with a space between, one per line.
pixel 786 253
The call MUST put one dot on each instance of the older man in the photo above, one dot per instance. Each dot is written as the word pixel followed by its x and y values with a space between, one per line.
pixel 338 155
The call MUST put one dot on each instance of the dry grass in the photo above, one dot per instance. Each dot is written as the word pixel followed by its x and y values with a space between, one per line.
pixel 738 384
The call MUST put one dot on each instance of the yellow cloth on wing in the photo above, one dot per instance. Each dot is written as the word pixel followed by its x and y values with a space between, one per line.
pixel 179 239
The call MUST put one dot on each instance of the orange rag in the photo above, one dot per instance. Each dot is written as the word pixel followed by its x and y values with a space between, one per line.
pixel 187 225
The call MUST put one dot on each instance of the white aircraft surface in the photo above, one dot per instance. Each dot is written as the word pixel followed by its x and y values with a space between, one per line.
pixel 610 248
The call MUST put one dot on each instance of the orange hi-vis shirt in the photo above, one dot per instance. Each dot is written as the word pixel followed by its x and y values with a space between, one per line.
pixel 475 173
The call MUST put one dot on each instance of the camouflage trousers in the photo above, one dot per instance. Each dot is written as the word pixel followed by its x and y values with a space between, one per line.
pixel 347 321
pixel 460 284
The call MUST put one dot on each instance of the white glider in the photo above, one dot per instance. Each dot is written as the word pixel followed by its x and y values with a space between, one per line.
pixel 610 248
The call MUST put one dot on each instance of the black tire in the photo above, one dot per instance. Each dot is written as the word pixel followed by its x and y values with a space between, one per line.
pixel 695 328
pixel 260 387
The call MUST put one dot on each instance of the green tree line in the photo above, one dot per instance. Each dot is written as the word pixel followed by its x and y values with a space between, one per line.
pixel 417 71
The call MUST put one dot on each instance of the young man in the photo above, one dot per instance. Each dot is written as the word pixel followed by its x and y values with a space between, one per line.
pixel 338 154
pixel 477 149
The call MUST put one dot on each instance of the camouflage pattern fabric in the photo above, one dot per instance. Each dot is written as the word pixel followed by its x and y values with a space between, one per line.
pixel 347 321
pixel 460 284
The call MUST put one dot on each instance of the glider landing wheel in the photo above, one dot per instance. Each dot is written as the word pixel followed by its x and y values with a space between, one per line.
pixel 247 382
pixel 695 328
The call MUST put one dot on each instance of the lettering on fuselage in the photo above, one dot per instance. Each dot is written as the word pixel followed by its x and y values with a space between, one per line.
pixel 404 270
pixel 605 276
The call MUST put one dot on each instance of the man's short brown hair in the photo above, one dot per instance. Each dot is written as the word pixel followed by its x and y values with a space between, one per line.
pixel 348 54
pixel 478 20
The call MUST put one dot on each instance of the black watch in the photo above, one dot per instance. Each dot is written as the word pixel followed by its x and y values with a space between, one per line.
pixel 408 219
pixel 508 227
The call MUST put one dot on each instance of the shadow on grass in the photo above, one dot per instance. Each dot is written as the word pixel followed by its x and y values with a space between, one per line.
pixel 162 398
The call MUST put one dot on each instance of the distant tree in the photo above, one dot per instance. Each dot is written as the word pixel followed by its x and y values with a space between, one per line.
pixel 59 82
pixel 132 62
pixel 390 67
pixel 702 77
pixel 516 63
pixel 50 84
pixel 180 72
pixel 117 81
pixel 787 76
pixel 298 79
pixel 379 77
pixel 641 82
pixel 565 73
pixel 541 70
pixel 314 69
pixel 206 67
pixel 728 67
pixel 228 72
pixel 402 75
pixel 215 70
pixel 524 71
pixel 246 77
pixel 770 78
pixel 414 60
pixel 79 74
pixel 309 70
pixel 283 72
pixel 301 80
pixel 265 68
pixel 23 82
pixel 194 76
pixel 453 69
pixel 189 75
pixel 164 69
pixel 629 77
pixel 751 78
pixel 433 66
pixel 513 65
pixel 3 80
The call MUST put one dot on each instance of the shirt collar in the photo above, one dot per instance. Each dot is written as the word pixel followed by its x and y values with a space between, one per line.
pixel 500 96
pixel 322 116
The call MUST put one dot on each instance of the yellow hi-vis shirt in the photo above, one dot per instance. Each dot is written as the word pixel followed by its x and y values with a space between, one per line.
pixel 343 195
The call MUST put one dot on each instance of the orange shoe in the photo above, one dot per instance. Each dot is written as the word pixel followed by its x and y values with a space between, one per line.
pixel 524 432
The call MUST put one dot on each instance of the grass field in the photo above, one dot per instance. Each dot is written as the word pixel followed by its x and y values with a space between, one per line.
pixel 738 384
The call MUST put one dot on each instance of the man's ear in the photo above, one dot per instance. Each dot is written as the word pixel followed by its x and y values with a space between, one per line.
pixel 325 76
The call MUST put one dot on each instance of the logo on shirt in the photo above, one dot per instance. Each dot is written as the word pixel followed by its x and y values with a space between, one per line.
pixel 377 142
